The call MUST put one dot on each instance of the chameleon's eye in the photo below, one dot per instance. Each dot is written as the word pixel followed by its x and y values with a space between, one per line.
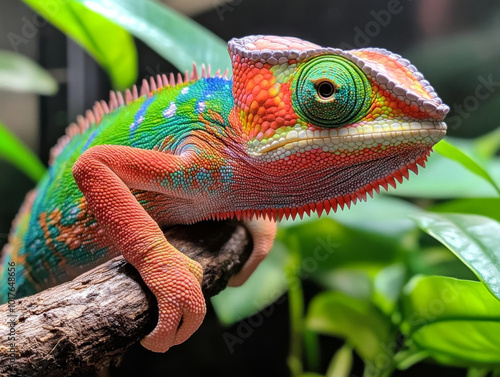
pixel 325 89
pixel 331 91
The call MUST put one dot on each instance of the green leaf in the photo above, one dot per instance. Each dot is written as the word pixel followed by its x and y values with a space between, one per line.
pixel 358 321
pixel 457 322
pixel 263 288
pixel 175 37
pixel 110 45
pixel 450 151
pixel 487 145
pixel 14 151
pixel 489 207
pixel 326 245
pixel 388 284
pixel 20 74
pixel 341 363
pixel 474 239
pixel 444 178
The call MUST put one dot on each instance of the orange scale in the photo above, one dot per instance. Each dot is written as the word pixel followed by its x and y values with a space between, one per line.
pixel 264 84
pixel 265 126
pixel 261 96
pixel 269 104
pixel 269 133
pixel 256 91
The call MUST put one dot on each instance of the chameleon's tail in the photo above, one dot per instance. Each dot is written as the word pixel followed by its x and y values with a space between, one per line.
pixel 12 268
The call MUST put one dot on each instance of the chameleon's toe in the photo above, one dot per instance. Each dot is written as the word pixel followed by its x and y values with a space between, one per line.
pixel 181 307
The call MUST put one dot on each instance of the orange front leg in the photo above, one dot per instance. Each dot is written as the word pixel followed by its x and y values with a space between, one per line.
pixel 105 174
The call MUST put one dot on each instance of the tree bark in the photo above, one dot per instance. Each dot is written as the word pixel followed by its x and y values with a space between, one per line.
pixel 88 323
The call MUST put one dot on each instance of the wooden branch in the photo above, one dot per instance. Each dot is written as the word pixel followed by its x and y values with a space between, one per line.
pixel 86 324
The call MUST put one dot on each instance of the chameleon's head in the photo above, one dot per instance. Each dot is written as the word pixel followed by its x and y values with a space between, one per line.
pixel 360 117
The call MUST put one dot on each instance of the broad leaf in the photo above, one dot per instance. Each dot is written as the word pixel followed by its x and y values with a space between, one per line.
pixel 177 38
pixel 20 74
pixel 388 284
pixel 14 151
pixel 456 322
pixel 341 363
pixel 474 239
pixel 110 45
pixel 358 321
pixel 489 207
pixel 450 151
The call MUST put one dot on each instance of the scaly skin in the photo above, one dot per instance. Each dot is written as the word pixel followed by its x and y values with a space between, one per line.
pixel 299 128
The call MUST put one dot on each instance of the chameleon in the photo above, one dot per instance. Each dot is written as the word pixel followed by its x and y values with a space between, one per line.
pixel 296 129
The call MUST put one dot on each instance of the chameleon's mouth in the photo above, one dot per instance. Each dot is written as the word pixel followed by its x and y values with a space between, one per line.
pixel 349 139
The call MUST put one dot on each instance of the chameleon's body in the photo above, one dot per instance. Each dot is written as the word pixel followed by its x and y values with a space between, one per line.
pixel 298 128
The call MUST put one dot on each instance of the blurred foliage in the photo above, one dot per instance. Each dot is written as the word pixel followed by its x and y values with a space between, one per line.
pixel 20 74
pixel 12 150
pixel 402 282
pixel 105 41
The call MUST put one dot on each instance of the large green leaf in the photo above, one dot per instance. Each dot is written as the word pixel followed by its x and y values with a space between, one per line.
pixel 489 207
pixel 15 152
pixel 358 321
pixel 107 43
pixel 454 321
pixel 474 239
pixel 450 151
pixel 20 74
pixel 177 38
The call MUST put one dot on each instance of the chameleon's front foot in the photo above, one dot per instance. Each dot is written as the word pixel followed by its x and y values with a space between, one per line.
pixel 176 283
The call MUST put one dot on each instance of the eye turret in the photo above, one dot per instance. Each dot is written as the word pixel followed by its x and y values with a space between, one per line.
pixel 331 91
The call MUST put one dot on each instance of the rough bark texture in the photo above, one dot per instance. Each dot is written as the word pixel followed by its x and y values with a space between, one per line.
pixel 86 324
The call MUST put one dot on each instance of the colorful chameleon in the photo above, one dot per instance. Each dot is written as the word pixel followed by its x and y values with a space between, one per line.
pixel 298 129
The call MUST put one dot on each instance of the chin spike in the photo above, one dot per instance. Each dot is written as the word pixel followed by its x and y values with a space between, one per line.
pixel 335 203
pixel 300 211
pixel 281 213
pixel 287 213
pixel 399 177
pixel 319 208
pixel 404 172
pixel 328 206
pixel 361 194
pixel 413 167
pixel 391 181
pixel 369 190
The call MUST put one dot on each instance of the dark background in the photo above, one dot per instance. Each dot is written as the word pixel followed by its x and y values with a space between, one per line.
pixel 455 44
